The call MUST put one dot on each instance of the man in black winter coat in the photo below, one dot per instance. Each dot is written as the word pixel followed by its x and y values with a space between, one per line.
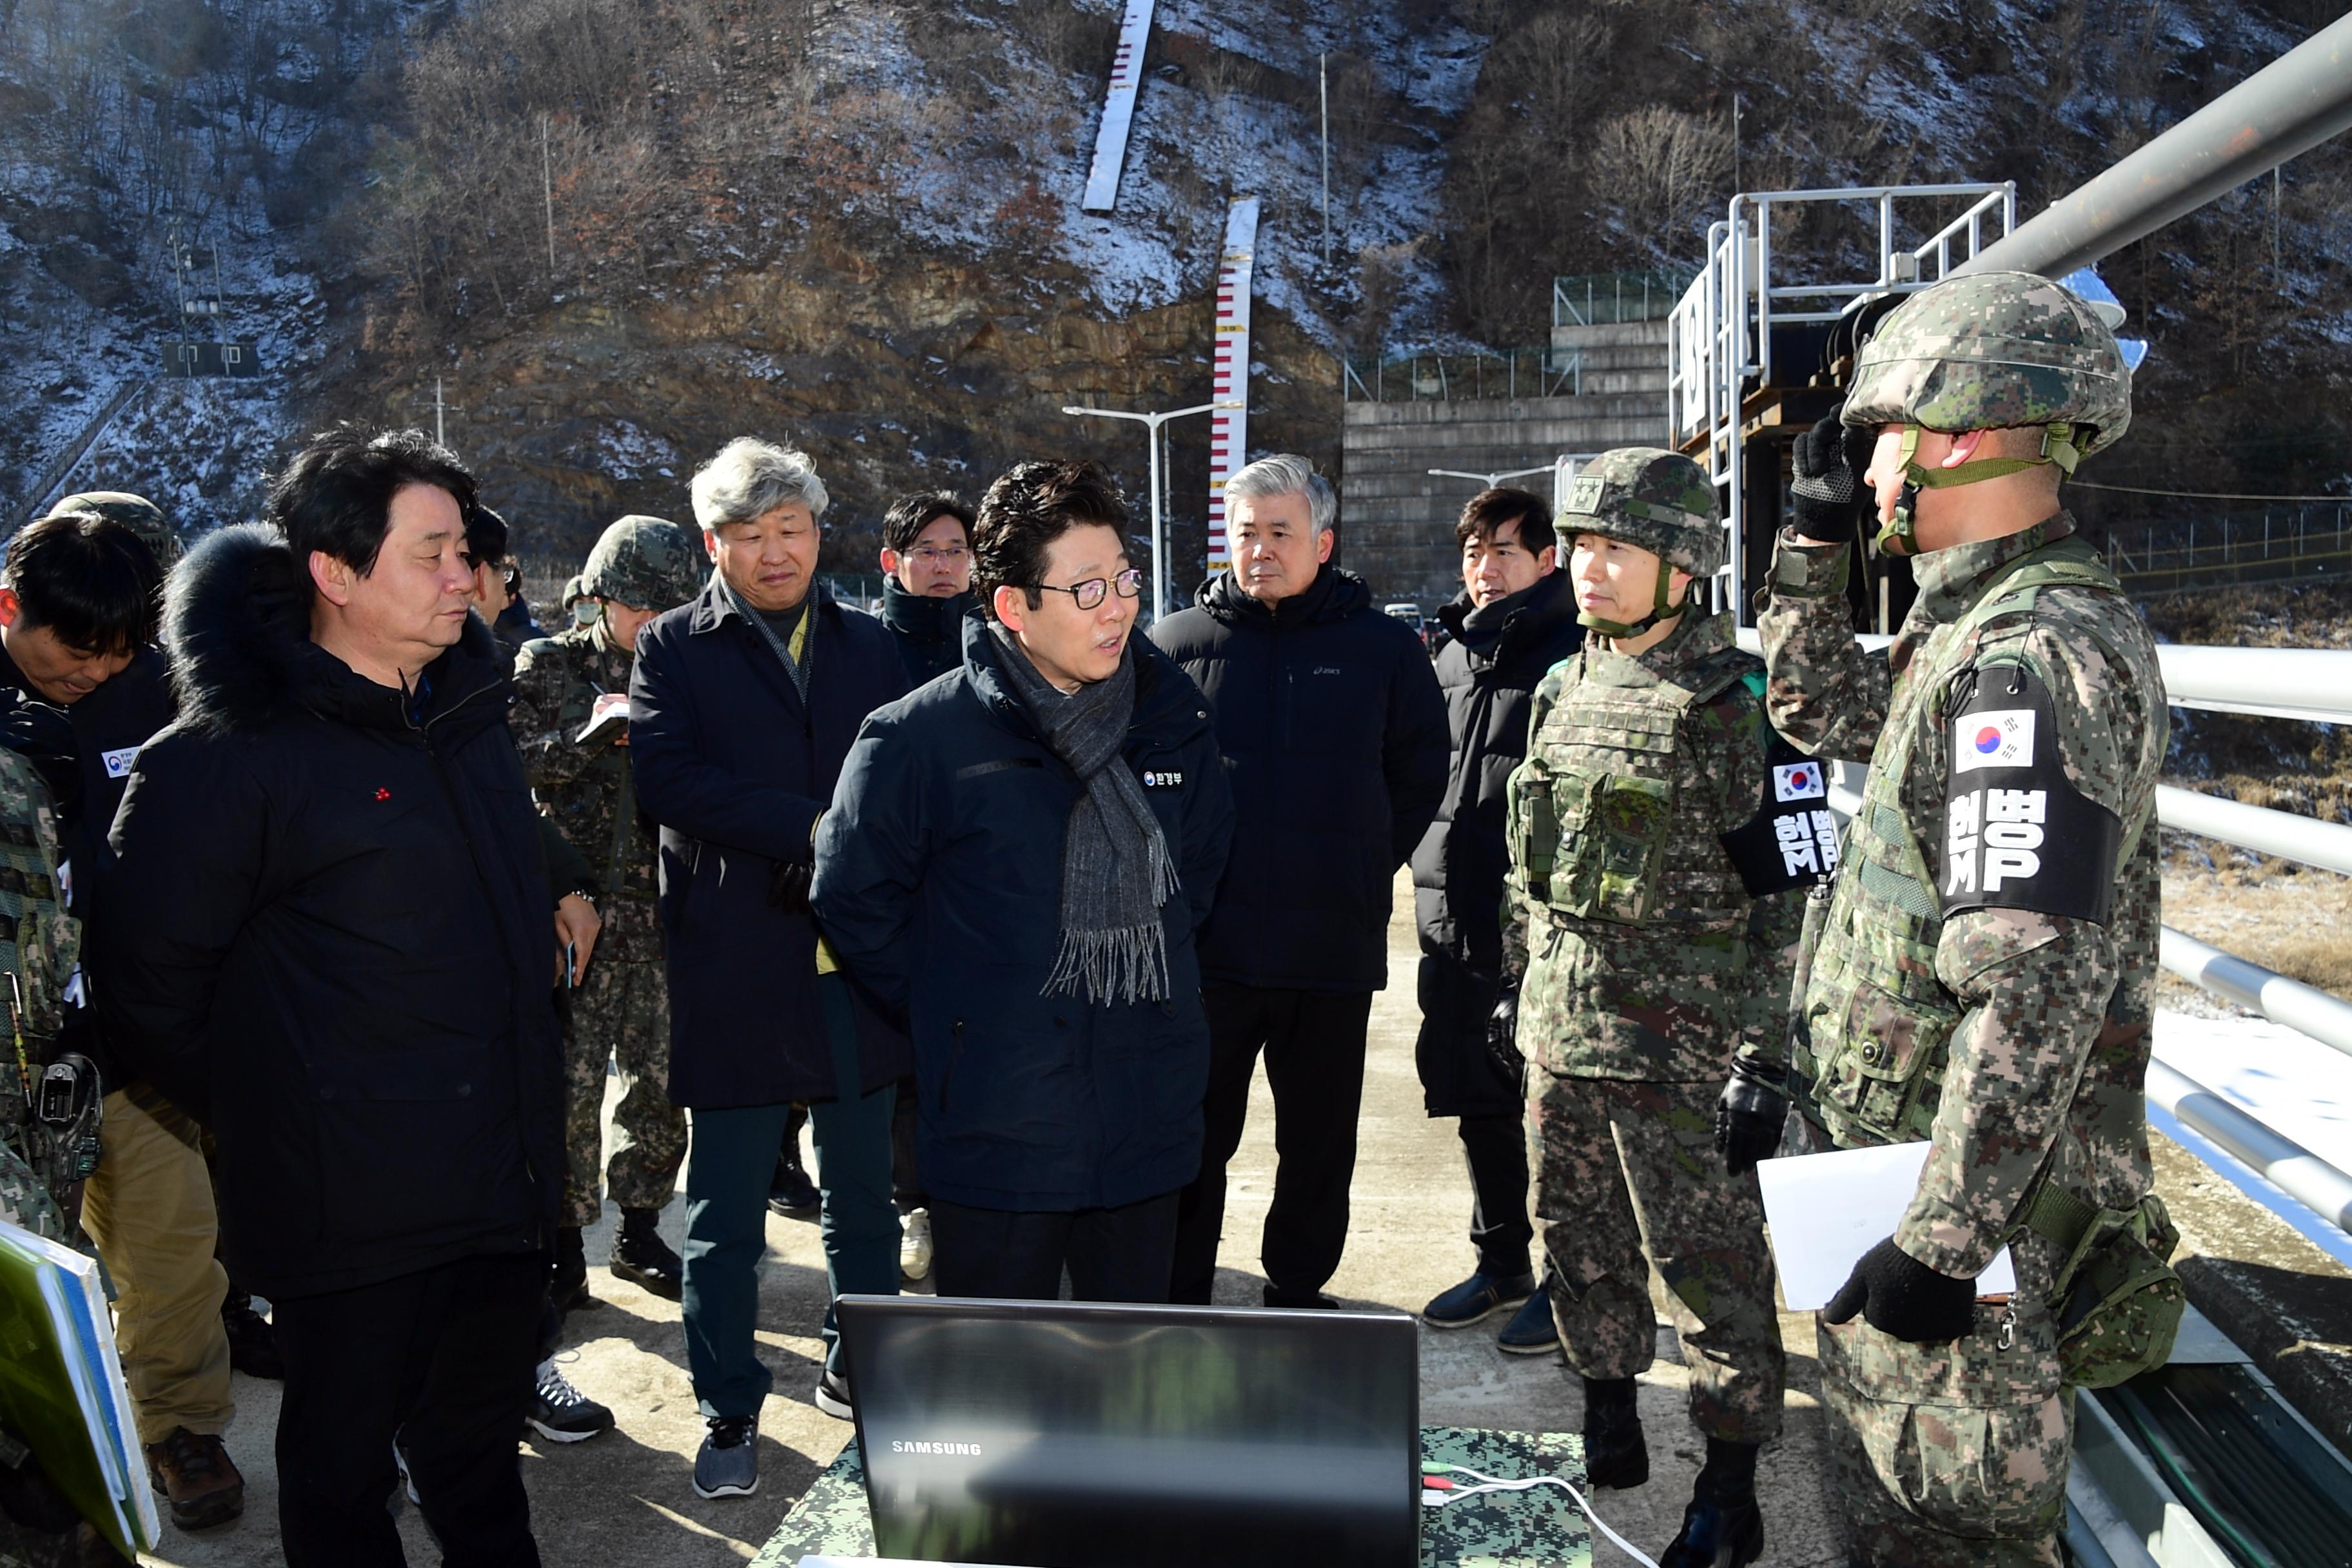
pixel 1334 735
pixel 327 931
pixel 742 705
pixel 1515 618
pixel 926 599
pixel 927 551
pixel 1019 855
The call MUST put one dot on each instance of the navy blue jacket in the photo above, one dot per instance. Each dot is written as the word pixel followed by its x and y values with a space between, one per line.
pixel 1488 677
pixel 1334 734
pixel 929 632
pixel 939 883
pixel 736 768
pixel 324 930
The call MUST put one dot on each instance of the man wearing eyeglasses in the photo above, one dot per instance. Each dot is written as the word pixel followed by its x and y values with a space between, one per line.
pixel 1331 721
pixel 927 551
pixel 1019 855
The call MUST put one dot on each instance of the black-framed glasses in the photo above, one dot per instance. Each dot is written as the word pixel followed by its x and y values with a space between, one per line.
pixel 1089 594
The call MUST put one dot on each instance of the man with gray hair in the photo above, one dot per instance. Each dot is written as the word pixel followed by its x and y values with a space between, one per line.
pixel 742 705
pixel 1332 725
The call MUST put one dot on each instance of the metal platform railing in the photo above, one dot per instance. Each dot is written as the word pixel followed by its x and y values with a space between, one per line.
pixel 1453 378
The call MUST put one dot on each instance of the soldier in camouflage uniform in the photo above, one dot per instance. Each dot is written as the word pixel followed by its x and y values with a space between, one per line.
pixel 1647 959
pixel 1983 976
pixel 619 1008
pixel 40 1178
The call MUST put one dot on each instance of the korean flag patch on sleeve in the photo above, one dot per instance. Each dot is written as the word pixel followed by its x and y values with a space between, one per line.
pixel 2016 834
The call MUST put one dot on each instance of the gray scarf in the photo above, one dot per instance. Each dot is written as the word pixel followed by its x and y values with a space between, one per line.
pixel 782 648
pixel 1116 871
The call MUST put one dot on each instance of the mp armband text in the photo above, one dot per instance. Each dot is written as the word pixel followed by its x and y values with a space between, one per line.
pixel 2017 834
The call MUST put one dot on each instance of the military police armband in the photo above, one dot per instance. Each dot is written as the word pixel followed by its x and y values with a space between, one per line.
pixel 1791 841
pixel 2017 834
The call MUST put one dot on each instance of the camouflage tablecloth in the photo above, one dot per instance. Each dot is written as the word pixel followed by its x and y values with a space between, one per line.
pixel 1539 1529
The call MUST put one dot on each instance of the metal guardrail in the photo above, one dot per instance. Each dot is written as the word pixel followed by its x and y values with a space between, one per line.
pixel 2326 845
pixel 2305 1009
pixel 2308 683
pixel 1453 378
pixel 1604 299
pixel 2286 1165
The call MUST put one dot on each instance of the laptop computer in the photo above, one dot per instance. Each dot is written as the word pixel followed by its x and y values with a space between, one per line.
pixel 1094 1435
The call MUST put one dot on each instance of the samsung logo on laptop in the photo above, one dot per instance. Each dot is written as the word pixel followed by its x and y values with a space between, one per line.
pixel 899 1445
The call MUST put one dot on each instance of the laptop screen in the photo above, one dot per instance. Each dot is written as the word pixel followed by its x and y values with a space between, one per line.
pixel 1090 1434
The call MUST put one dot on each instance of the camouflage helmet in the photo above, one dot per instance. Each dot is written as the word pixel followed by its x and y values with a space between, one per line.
pixel 137 513
pixel 645 562
pixel 1992 350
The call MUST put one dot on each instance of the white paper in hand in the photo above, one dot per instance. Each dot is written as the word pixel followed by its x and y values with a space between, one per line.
pixel 1827 1210
pixel 608 720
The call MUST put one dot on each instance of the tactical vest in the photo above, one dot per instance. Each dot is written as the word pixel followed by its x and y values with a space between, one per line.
pixel 1877 1021
pixel 40 946
pixel 1589 838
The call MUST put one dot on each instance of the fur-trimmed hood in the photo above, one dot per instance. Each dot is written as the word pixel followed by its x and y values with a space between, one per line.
pixel 237 624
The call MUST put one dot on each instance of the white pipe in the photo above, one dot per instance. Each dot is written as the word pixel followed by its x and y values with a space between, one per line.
pixel 2327 844
pixel 2288 1165
pixel 2303 1008
pixel 2282 682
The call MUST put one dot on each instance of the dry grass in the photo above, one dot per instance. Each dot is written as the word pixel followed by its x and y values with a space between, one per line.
pixel 2291 918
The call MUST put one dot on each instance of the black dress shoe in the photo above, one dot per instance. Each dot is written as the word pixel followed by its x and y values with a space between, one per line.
pixel 567 1275
pixel 1717 1535
pixel 792 1194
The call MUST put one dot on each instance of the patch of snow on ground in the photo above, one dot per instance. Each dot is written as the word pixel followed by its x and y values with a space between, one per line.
pixel 2291 1083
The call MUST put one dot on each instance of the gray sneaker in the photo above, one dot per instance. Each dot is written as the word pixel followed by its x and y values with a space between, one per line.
pixel 729 1463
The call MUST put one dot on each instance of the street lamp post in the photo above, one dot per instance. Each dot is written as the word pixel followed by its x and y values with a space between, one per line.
pixel 1489 481
pixel 1152 421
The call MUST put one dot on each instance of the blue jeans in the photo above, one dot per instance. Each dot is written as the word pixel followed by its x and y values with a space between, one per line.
pixel 728 1165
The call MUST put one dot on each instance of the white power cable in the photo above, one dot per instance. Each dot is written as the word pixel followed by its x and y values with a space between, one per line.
pixel 1489 1484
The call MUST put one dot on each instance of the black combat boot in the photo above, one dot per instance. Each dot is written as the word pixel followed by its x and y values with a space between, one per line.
pixel 1722 1528
pixel 1615 1454
pixel 642 1257
pixel 567 1276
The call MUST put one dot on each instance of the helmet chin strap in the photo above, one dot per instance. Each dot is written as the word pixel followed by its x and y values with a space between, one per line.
pixel 1659 611
pixel 1899 536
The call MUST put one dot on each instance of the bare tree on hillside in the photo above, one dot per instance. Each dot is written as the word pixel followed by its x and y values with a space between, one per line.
pixel 1660 165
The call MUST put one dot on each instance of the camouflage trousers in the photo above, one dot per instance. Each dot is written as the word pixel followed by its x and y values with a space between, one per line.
pixel 1627 1176
pixel 1949 1456
pixel 619 1014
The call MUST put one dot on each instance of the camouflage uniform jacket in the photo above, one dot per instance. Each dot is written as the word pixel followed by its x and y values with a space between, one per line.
pixel 585 790
pixel 1644 959
pixel 39 945
pixel 2015 1039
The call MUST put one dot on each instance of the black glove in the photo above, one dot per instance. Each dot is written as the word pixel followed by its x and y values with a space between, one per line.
pixel 1748 1118
pixel 43 735
pixel 1502 1034
pixel 788 885
pixel 1903 1298
pixel 1827 498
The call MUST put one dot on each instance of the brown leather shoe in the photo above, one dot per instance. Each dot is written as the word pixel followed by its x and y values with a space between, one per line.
pixel 194 1472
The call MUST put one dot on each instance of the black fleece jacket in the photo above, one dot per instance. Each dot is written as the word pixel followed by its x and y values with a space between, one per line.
pixel 1334 735
pixel 324 932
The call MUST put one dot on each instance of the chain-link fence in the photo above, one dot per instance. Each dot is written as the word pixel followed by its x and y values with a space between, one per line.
pixel 1595 299
pixel 1451 378
pixel 2234 547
